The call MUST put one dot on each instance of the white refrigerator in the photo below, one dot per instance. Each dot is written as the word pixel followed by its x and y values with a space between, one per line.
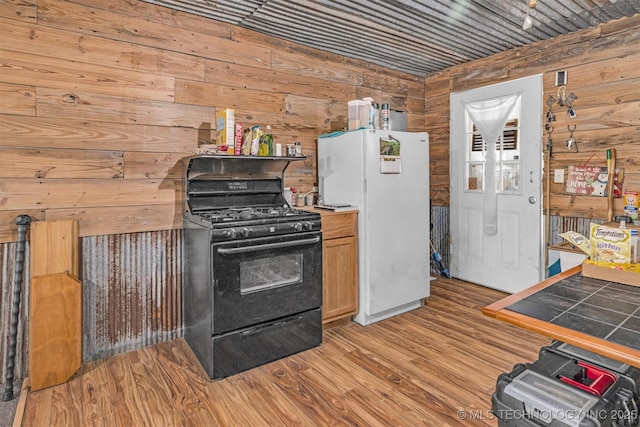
pixel 391 190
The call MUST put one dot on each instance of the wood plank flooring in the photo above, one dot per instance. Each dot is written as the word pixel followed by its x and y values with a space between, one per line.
pixel 417 369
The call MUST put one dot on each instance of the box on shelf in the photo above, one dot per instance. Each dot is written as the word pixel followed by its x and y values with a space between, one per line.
pixel 631 204
pixel 608 253
pixel 621 274
pixel 358 114
pixel 225 128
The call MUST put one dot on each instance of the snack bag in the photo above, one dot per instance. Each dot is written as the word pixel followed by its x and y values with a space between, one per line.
pixel 578 240
pixel 610 244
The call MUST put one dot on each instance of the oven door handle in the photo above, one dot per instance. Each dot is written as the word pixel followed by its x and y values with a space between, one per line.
pixel 245 249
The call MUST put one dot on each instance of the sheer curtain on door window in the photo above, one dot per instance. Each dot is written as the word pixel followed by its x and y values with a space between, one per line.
pixel 490 116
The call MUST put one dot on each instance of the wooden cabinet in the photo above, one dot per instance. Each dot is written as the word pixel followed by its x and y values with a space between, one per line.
pixel 339 266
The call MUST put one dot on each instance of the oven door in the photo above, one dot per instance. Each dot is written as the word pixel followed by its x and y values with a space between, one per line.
pixel 262 279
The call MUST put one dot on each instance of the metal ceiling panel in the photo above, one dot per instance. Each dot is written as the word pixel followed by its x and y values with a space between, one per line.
pixel 415 36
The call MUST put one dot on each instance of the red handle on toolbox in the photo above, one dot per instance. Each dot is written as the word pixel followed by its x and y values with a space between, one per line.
pixel 601 380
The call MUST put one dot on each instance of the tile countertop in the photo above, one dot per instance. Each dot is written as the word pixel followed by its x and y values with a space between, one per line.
pixel 598 315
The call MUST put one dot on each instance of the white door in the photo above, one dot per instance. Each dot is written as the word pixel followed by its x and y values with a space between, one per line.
pixel 510 256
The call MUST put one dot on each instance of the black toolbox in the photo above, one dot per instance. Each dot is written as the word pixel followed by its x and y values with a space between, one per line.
pixel 567 386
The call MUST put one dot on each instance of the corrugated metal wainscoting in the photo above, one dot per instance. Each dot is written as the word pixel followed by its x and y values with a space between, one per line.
pixel 559 224
pixel 132 291
pixel 440 236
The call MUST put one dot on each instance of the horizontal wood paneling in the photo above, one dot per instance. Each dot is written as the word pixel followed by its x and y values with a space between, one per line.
pixel 64 164
pixel 66 133
pixel 17 99
pixel 160 15
pixel 309 66
pixel 64 74
pixel 118 220
pixel 91 106
pixel 61 193
pixel 22 10
pixel 56 43
pixel 603 68
pixel 122 26
pixel 199 93
pixel 101 100
pixel 233 75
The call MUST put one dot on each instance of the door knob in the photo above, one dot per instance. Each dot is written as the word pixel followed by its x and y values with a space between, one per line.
pixel 532 200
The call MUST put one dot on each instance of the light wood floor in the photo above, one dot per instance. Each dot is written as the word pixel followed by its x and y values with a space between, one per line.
pixel 417 369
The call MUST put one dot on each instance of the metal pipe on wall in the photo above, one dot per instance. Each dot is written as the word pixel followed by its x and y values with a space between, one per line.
pixel 23 222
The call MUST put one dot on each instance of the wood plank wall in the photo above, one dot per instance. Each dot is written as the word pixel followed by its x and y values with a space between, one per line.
pixel 603 66
pixel 100 101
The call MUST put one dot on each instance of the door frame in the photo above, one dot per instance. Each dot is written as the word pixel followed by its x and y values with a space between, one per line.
pixel 531 83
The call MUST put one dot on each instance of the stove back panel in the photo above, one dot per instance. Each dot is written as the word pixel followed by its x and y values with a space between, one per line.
pixel 214 194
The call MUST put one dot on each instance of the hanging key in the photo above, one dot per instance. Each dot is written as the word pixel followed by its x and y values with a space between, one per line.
pixel 569 103
pixel 550 116
pixel 572 145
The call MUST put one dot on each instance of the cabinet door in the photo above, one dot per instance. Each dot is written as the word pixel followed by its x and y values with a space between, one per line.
pixel 340 278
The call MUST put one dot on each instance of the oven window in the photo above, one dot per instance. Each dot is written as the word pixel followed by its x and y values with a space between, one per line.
pixel 272 272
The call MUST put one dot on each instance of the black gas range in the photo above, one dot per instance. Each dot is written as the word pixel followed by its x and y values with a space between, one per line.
pixel 252 265
pixel 248 222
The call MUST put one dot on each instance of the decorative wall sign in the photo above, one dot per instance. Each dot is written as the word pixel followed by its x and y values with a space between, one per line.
pixel 587 180
pixel 592 181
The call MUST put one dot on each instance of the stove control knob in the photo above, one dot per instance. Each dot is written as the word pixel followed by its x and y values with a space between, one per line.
pixel 308 226
pixel 297 226
pixel 244 232
pixel 231 233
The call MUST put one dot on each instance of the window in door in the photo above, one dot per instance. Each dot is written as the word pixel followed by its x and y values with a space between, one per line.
pixel 507 157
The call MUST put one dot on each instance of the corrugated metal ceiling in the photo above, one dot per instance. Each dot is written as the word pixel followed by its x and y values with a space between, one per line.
pixel 418 37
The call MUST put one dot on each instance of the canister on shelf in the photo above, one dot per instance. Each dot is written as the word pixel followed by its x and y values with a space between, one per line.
pixel 288 195
pixel 294 194
pixel 376 116
pixel 386 117
pixel 298 147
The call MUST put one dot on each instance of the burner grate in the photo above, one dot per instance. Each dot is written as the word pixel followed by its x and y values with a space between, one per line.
pixel 250 213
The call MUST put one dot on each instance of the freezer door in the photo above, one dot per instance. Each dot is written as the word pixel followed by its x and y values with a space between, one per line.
pixel 341 168
pixel 397 221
